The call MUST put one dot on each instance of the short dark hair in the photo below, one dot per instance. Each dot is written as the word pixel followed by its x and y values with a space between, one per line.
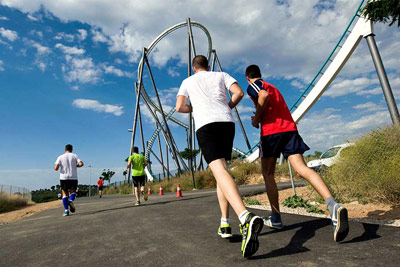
pixel 200 62
pixel 68 147
pixel 253 71
pixel 136 149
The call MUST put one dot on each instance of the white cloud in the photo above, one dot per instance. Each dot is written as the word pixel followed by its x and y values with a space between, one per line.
pixel 98 36
pixel 81 70
pixel 117 72
pixel 38 33
pixel 118 61
pixel 3 18
pixel 42 66
pixel 172 72
pixel 8 34
pixel 82 34
pixel 245 109
pixel 70 50
pixel 311 29
pixel 326 128
pixel 354 86
pixel 75 88
pixel 1 65
pixel 97 106
pixel 32 18
pixel 65 36
pixel 369 107
pixel 297 84
pixel 41 49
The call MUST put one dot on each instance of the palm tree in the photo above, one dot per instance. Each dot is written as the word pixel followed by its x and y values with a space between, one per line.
pixel 386 11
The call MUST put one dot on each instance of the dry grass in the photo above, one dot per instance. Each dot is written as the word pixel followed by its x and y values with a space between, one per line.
pixel 9 203
pixel 369 171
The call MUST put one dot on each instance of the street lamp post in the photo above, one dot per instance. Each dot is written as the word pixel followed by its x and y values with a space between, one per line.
pixel 90 179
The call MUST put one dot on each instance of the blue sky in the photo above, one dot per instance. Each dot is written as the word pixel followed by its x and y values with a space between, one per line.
pixel 67 72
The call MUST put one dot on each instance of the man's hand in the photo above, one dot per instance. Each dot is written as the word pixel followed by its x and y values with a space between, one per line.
pixel 255 122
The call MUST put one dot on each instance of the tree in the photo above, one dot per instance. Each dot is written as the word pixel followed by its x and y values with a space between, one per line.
pixel 386 11
pixel 106 175
pixel 189 153
pixel 53 188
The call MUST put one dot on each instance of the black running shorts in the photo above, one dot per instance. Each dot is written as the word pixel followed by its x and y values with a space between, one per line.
pixel 287 143
pixel 139 180
pixel 216 140
pixel 68 185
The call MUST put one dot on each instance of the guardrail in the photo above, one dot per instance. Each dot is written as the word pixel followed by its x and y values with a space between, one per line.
pixel 15 191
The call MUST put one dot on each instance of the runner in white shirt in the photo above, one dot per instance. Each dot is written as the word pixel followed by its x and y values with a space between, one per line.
pixel 67 163
pixel 215 130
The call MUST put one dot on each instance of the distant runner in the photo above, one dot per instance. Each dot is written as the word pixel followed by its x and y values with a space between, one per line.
pixel 100 183
pixel 138 162
pixel 67 164
pixel 215 130
pixel 279 135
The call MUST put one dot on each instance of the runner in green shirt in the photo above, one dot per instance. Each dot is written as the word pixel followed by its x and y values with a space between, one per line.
pixel 138 162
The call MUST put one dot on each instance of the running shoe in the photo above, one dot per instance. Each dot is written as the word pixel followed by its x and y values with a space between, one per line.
pixel 250 231
pixel 66 213
pixel 137 203
pixel 225 230
pixel 145 197
pixel 275 225
pixel 71 206
pixel 340 223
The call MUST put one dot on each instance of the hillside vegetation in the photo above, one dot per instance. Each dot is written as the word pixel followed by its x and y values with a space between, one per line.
pixel 369 171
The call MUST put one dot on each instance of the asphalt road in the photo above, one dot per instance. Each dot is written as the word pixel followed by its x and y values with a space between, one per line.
pixel 170 231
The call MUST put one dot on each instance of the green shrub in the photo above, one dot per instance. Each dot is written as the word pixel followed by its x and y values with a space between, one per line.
pixel 296 201
pixel 251 201
pixel 369 171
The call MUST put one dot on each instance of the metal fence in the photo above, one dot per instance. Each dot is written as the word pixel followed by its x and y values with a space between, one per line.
pixel 10 191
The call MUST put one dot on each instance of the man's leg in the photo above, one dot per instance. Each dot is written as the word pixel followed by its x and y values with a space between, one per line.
pixel 338 213
pixel 227 185
pixel 65 201
pixel 251 225
pixel 268 170
pixel 143 192
pixel 136 189
pixel 310 175
pixel 71 200
pixel 224 229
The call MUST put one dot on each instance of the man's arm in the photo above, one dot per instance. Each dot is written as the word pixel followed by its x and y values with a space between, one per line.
pixel 129 164
pixel 181 104
pixel 80 164
pixel 237 95
pixel 56 167
pixel 261 104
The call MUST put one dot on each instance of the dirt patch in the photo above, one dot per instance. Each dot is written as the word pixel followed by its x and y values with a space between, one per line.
pixel 27 211
pixel 375 211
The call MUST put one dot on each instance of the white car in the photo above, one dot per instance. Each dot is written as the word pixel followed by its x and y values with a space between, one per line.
pixel 328 158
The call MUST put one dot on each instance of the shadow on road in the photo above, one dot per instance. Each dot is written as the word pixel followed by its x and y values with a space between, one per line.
pixel 131 205
pixel 306 232
pixel 370 232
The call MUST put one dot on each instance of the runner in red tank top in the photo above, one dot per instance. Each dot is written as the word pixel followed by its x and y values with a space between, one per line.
pixel 279 135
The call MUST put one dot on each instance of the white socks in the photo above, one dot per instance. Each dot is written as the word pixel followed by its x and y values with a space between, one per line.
pixel 242 216
pixel 225 221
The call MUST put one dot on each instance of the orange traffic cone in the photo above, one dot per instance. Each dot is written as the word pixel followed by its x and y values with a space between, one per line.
pixel 178 191
pixel 149 191
pixel 161 191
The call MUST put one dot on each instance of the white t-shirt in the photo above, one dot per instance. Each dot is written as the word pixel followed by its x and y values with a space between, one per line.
pixel 207 93
pixel 68 163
